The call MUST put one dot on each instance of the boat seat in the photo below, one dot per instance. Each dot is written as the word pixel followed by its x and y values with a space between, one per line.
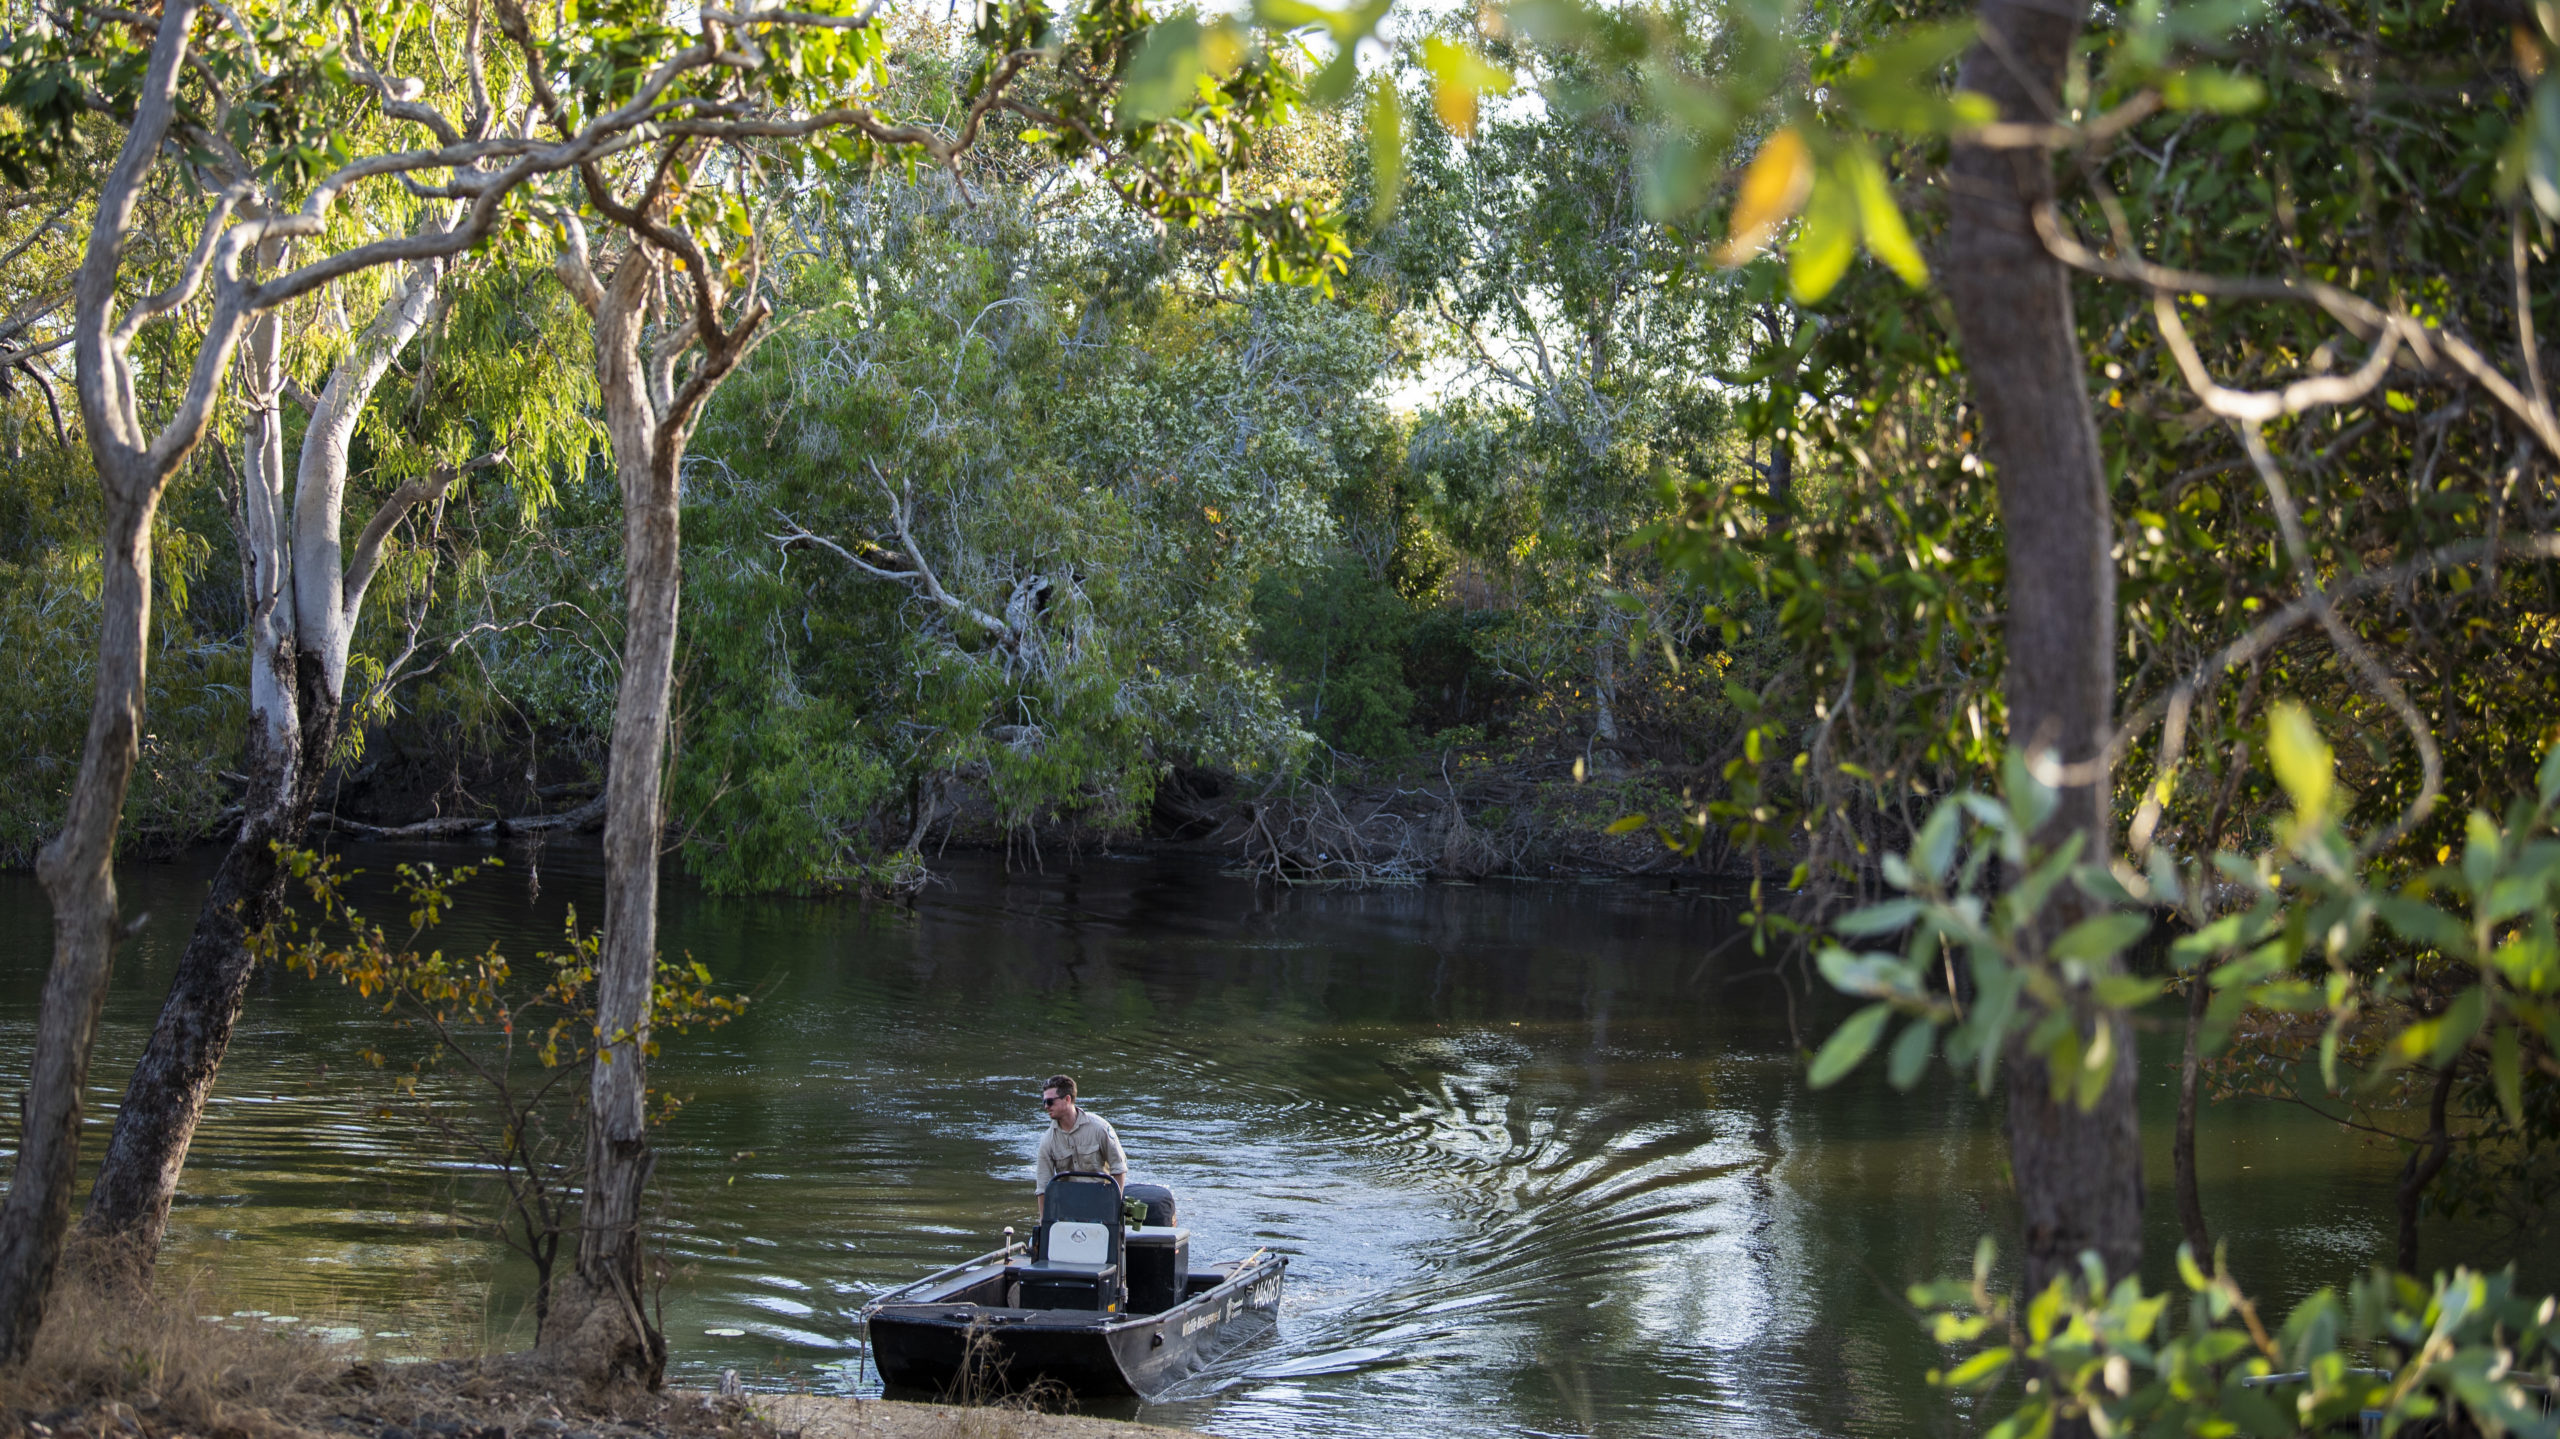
pixel 1078 1251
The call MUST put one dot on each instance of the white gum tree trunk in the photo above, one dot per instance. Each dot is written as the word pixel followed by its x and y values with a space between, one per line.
pixel 304 596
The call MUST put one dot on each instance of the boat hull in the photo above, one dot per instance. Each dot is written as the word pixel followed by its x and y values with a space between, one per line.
pixel 952 1347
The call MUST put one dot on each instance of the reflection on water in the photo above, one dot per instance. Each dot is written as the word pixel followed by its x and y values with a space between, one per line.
pixel 1542 1154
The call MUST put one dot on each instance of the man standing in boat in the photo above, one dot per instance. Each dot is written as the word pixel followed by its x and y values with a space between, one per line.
pixel 1076 1142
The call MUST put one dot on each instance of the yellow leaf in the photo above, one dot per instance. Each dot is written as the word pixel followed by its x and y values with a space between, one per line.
pixel 2303 762
pixel 1773 189
pixel 1458 75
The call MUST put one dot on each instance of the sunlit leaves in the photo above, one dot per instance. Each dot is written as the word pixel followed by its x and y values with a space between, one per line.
pixel 1825 243
pixel 1880 219
pixel 2303 762
pixel 1774 186
pixel 1386 151
pixel 1176 54
pixel 2205 87
pixel 2112 1359
pixel 1892 86
pixel 1458 76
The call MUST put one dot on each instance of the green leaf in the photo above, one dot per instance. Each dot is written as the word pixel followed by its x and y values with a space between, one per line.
pixel 1880 220
pixel 1386 172
pixel 1164 77
pixel 1894 86
pixel 2126 991
pixel 2222 934
pixel 2415 919
pixel 2191 1272
pixel 2097 1063
pixel 2547 782
pixel 2161 868
pixel 1982 1370
pixel 1995 988
pixel 2026 899
pixel 1335 80
pixel 1935 848
pixel 1826 242
pixel 1885 918
pixel 1847 1046
pixel 2101 937
pixel 1863 974
pixel 2217 91
pixel 2506 1072
pixel 1627 825
pixel 2542 145
pixel 2460 1021
pixel 1910 1053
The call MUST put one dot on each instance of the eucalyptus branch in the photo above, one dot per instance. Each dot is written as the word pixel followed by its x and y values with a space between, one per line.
pixel 399 96
pixel 2361 316
pixel 190 279
pixel 367 554
pixel 917 573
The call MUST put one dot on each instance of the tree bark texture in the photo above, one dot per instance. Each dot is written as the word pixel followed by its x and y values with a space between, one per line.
pixel 164 1102
pixel 599 1321
pixel 77 874
pixel 302 608
pixel 75 867
pixel 2079 1174
pixel 2191 1225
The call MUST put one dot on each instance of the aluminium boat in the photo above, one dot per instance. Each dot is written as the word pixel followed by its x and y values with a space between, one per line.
pixel 1096 1307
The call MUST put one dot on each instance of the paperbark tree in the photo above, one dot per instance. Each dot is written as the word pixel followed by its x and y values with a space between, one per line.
pixel 305 593
pixel 2078 1173
pixel 135 461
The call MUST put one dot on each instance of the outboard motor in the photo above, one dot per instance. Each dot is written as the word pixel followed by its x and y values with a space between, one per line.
pixel 1159 1254
pixel 1159 1202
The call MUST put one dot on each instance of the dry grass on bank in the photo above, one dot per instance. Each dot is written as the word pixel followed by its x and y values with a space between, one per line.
pixel 818 1416
pixel 114 1364
pixel 121 1365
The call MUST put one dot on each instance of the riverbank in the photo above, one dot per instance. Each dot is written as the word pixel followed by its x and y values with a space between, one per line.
pixel 182 1364
pixel 822 1416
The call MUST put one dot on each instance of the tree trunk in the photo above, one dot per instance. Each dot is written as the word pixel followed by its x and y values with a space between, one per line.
pixel 2190 1205
pixel 599 1320
pixel 301 617
pixel 137 1181
pixel 2079 1174
pixel 2425 1162
pixel 76 866
pixel 1782 481
pixel 1604 686
pixel 1781 473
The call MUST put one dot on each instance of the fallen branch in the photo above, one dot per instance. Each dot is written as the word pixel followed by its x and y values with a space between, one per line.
pixel 585 818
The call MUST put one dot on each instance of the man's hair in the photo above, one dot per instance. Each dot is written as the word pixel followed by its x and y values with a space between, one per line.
pixel 1065 1084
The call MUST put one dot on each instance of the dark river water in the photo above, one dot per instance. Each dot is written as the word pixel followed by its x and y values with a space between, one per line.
pixel 1541 1154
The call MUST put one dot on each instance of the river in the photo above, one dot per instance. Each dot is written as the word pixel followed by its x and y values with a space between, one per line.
pixel 1541 1153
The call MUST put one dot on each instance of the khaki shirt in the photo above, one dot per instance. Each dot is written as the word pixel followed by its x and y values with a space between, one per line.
pixel 1089 1148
